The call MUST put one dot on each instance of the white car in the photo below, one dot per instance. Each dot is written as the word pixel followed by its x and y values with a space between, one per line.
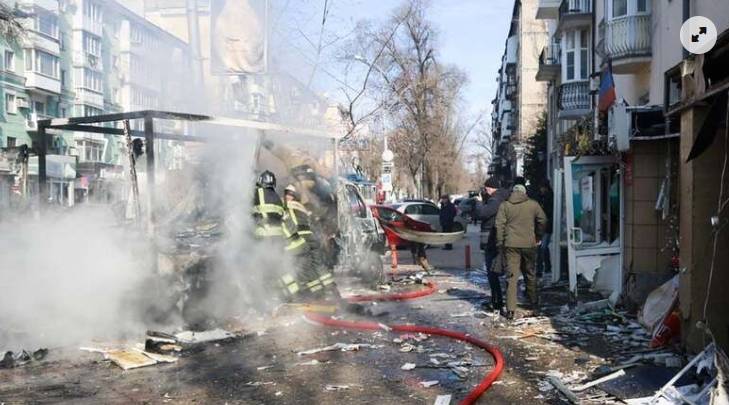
pixel 428 212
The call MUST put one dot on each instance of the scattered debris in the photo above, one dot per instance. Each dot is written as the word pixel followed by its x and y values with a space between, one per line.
pixel 428 384
pixel 214 335
pixel 344 347
pixel 129 359
pixel 10 359
pixel 600 380
pixel 443 400
pixel 334 387
pixel 262 368
pixel 309 363
pixel 408 366
pixel 559 385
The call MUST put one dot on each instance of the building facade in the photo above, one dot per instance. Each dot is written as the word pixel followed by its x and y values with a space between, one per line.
pixel 81 58
pixel 519 100
pixel 633 203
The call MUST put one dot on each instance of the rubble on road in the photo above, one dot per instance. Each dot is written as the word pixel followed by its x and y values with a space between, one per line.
pixel 343 347
pixel 11 359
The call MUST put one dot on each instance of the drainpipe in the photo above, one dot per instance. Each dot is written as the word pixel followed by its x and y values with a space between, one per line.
pixel 595 121
pixel 686 16
pixel 193 32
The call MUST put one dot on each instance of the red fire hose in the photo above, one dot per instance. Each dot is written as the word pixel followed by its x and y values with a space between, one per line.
pixel 484 385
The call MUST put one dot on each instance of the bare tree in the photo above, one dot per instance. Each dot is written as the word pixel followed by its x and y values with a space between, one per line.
pixel 11 29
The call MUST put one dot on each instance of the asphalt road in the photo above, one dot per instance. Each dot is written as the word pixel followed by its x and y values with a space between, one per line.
pixel 266 368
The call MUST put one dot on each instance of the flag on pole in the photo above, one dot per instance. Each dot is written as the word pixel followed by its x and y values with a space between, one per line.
pixel 606 96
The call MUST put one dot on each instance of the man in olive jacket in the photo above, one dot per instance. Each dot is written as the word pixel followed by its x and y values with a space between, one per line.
pixel 520 224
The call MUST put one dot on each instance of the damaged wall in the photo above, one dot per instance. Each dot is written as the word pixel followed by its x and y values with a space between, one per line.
pixel 647 255
pixel 700 184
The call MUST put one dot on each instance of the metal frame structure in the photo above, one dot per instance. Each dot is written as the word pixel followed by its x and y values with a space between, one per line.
pixel 87 124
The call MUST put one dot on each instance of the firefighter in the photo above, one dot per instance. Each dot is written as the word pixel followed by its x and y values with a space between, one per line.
pixel 312 276
pixel 272 224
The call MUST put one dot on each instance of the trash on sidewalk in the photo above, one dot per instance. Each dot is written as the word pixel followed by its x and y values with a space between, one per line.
pixel 129 359
pixel 658 304
pixel 443 400
pixel 213 335
pixel 600 380
pixel 428 384
pixel 562 388
pixel 344 347
pixel 336 387
pixel 408 366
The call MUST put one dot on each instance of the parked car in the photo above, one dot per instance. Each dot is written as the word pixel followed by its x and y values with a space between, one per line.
pixel 429 213
pixel 391 217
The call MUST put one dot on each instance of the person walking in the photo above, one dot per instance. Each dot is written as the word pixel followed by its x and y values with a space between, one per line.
pixel 520 223
pixel 495 196
pixel 448 214
pixel 545 198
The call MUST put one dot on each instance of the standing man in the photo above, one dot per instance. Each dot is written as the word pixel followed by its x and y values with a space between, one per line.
pixel 495 196
pixel 545 198
pixel 448 214
pixel 520 223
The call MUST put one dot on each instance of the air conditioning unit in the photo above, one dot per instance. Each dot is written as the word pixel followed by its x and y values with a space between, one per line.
pixel 637 123
pixel 21 103
pixel 93 60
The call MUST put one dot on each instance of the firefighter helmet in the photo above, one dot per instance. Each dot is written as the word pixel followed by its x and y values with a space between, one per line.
pixel 266 179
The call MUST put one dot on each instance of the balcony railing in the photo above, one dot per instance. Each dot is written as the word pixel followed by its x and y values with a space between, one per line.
pixel 549 62
pixel 628 36
pixel 574 96
pixel 550 54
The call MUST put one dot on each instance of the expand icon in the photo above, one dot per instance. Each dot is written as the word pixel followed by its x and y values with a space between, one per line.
pixel 698 35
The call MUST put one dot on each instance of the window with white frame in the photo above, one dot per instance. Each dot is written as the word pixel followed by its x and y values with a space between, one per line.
pixel 92 10
pixel 46 23
pixel 92 80
pixel 89 111
pixel 46 64
pixel 92 44
pixel 90 150
pixel 622 8
pixel 10 106
pixel 576 55
pixel 9 61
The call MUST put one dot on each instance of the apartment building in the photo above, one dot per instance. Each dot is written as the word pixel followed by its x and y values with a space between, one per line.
pixel 630 211
pixel 81 58
pixel 519 99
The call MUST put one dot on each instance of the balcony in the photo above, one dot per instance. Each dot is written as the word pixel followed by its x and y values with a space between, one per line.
pixel 628 42
pixel 39 41
pixel 574 99
pixel 89 97
pixel 548 9
pixel 549 63
pixel 86 59
pixel 88 24
pixel 50 5
pixel 574 14
pixel 45 84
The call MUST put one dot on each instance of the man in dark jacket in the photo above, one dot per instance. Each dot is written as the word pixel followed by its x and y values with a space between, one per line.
pixel 496 196
pixel 520 224
pixel 448 214
pixel 545 198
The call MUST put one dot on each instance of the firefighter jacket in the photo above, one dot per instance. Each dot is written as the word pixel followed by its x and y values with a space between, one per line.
pixel 300 217
pixel 271 219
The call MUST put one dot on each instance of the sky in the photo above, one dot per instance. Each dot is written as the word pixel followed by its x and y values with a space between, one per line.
pixel 471 35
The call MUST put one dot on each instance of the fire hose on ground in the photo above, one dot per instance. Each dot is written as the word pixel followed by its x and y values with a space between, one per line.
pixel 485 383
